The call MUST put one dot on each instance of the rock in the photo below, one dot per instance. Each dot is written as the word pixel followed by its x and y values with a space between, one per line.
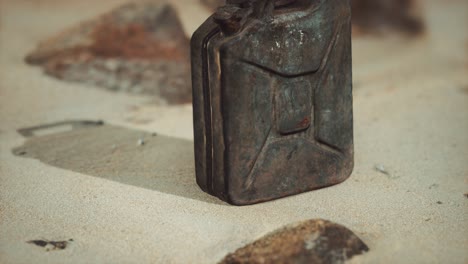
pixel 374 16
pixel 379 16
pixel 50 245
pixel 137 48
pixel 313 241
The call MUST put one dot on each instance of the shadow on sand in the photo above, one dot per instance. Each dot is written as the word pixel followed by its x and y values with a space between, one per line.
pixel 116 153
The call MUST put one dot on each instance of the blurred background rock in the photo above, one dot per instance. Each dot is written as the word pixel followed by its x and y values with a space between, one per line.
pixel 138 48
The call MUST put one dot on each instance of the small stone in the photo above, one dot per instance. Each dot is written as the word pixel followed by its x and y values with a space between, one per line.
pixel 141 142
pixel 381 168
pixel 439 202
pixel 50 245
pixel 313 241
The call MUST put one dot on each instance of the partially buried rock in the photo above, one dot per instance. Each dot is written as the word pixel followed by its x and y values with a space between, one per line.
pixel 313 241
pixel 138 48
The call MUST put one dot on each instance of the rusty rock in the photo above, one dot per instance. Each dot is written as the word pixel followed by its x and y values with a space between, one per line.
pixel 313 241
pixel 138 48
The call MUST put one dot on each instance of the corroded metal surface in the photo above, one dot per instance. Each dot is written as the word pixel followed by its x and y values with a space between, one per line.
pixel 272 94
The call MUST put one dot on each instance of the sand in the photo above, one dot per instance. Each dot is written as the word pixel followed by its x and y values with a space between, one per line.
pixel 411 119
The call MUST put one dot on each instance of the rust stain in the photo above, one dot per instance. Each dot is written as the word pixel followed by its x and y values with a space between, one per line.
pixel 305 122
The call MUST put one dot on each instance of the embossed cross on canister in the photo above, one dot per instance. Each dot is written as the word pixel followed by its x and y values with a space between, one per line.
pixel 272 98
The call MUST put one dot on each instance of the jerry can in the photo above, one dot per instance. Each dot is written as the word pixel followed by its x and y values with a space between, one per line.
pixel 272 98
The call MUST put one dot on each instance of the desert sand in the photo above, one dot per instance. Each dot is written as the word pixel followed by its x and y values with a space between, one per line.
pixel 142 204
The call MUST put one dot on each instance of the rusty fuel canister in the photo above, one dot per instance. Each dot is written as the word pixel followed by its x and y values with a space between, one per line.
pixel 272 98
